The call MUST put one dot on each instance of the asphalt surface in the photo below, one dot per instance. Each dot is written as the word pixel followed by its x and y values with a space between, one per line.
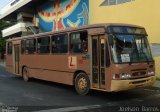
pixel 43 96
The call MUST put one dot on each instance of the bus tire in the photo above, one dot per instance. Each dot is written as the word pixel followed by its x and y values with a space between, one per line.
pixel 25 74
pixel 82 83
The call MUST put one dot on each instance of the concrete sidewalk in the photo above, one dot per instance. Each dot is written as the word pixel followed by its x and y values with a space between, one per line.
pixel 3 64
pixel 157 84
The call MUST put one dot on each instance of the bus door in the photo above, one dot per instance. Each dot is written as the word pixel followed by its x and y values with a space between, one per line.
pixel 98 61
pixel 16 58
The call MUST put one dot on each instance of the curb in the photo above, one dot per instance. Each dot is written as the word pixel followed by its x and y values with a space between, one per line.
pixel 2 65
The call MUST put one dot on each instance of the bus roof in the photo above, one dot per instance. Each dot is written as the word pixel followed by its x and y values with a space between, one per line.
pixel 102 25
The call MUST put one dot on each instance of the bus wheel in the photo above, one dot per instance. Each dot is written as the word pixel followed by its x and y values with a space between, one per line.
pixel 25 74
pixel 82 84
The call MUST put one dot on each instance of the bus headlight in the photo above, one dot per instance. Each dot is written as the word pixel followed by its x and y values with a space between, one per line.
pixel 122 76
pixel 151 73
pixel 125 76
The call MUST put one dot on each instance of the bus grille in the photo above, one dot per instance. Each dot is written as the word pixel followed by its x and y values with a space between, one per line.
pixel 139 74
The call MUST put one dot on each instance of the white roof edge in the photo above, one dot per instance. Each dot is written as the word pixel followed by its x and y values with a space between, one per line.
pixel 8 9
pixel 19 27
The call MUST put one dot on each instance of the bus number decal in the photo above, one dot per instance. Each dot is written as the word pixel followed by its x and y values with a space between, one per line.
pixel 72 62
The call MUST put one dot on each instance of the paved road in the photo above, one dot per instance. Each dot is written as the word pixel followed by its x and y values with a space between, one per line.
pixel 42 96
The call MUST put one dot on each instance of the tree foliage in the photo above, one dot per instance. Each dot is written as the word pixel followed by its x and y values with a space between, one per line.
pixel 3 25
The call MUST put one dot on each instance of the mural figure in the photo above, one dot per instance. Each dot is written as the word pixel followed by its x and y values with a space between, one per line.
pixel 58 18
pixel 69 13
pixel 84 14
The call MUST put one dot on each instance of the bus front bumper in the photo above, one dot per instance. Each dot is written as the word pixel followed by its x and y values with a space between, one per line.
pixel 121 85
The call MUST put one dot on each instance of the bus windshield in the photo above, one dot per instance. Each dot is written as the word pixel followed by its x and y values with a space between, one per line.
pixel 130 48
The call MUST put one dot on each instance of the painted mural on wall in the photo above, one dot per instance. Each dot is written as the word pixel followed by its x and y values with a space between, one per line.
pixel 61 14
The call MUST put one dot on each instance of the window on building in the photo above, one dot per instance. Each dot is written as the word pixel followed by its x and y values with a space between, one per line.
pixel 79 42
pixel 123 1
pixel 30 46
pixel 114 2
pixel 60 43
pixel 43 45
pixel 9 49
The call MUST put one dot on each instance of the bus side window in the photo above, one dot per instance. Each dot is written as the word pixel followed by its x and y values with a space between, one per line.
pixel 22 46
pixel 60 43
pixel 9 48
pixel 79 42
pixel 43 45
pixel 30 46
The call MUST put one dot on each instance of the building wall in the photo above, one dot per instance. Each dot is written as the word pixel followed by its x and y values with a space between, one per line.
pixel 61 14
pixel 138 12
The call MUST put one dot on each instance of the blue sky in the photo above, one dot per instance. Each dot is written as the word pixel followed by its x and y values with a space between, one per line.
pixel 4 2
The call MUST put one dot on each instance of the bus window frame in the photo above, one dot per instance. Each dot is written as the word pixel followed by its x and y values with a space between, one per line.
pixel 57 34
pixel 74 32
pixel 35 52
pixel 47 36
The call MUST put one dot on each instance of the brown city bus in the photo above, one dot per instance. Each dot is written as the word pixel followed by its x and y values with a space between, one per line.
pixel 105 57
